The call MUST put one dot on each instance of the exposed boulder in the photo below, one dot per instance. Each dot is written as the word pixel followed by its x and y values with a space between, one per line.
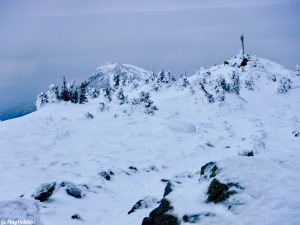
pixel 195 218
pixel 45 191
pixel 106 174
pixel 72 189
pixel 247 153
pixel 76 217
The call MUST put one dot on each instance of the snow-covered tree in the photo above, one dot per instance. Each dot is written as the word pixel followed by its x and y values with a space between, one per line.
pixel 74 95
pixel 235 87
pixel 42 99
pixel 108 94
pixel 116 82
pixel 121 97
pixel 64 93
pixel 53 94
pixel 82 95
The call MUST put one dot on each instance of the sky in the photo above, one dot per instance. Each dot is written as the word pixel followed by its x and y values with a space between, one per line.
pixel 41 41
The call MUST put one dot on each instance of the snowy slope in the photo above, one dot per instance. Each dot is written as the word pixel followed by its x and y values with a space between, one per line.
pixel 140 151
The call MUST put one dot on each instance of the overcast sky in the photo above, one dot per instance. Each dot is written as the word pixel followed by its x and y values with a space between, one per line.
pixel 40 41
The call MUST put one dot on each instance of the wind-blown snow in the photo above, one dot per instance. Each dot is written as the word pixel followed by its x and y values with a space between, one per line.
pixel 58 143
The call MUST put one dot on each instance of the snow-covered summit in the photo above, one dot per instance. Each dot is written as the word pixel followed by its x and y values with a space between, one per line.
pixel 104 75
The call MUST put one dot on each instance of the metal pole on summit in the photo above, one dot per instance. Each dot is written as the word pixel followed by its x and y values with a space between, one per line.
pixel 242 40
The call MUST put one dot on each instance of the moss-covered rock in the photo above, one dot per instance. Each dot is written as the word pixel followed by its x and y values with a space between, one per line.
pixel 162 215
pixel 218 192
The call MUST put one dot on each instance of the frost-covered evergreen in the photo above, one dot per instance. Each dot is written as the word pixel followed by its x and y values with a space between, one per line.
pixel 82 95
pixel 64 93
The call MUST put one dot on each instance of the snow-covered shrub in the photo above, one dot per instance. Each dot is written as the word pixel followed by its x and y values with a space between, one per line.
pixel 101 107
pixel 249 84
pixel 285 85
